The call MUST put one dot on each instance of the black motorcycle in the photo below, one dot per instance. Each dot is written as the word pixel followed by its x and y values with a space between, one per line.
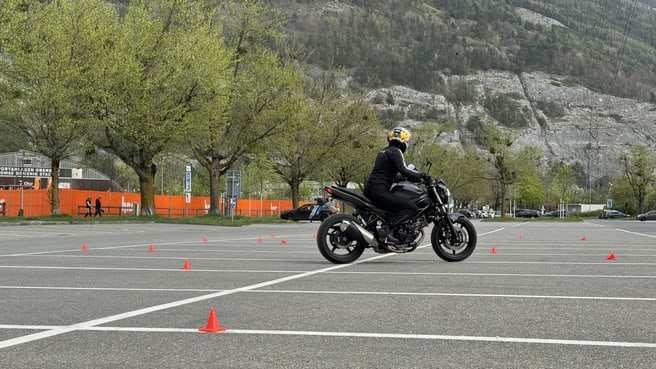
pixel 342 238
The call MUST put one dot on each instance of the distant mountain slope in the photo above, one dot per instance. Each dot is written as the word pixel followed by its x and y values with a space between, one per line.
pixel 607 45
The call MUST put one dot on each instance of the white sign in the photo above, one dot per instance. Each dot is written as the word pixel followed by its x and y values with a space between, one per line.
pixel 188 197
pixel 187 181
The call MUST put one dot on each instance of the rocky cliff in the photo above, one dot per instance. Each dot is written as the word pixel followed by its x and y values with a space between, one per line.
pixel 591 128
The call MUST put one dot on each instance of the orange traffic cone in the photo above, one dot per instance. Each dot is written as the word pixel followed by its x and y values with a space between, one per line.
pixel 152 248
pixel 521 237
pixel 259 240
pixel 494 250
pixel 84 247
pixel 273 235
pixel 212 324
pixel 186 265
pixel 314 235
pixel 283 241
pixel 610 256
pixel 583 238
pixel 205 239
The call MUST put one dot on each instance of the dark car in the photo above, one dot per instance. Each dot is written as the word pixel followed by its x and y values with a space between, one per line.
pixel 466 212
pixel 457 215
pixel 650 215
pixel 559 213
pixel 528 213
pixel 611 214
pixel 309 212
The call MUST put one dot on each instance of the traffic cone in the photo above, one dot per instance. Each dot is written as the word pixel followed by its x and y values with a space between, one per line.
pixel 152 248
pixel 212 324
pixel 186 265
pixel 205 239
pixel 273 235
pixel 259 240
pixel 521 237
pixel 494 250
pixel 84 247
pixel 610 256
pixel 283 241
pixel 314 235
pixel 583 238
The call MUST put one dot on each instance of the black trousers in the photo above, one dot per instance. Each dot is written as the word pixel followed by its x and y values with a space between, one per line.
pixel 400 208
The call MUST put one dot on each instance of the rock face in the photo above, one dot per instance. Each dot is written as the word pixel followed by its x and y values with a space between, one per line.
pixel 591 128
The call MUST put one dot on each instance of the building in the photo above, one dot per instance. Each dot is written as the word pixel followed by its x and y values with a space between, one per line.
pixel 32 171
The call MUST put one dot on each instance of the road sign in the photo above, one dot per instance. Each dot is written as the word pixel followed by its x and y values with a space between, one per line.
pixel 187 197
pixel 187 181
pixel 233 202
pixel 233 186
pixel 609 203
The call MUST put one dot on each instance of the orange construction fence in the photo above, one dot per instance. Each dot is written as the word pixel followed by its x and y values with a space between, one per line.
pixel 35 203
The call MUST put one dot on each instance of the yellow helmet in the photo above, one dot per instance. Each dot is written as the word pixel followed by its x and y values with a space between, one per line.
pixel 400 134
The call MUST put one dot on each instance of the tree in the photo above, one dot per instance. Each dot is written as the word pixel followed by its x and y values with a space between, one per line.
pixel 164 55
pixel 46 74
pixel 639 165
pixel 250 100
pixel 563 183
pixel 507 167
pixel 532 191
pixel 323 123
pixel 352 160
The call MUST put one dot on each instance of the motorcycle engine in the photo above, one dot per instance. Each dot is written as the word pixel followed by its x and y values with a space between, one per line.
pixel 408 232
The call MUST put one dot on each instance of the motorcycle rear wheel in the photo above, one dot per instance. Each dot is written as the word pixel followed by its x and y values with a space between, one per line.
pixel 334 245
pixel 442 245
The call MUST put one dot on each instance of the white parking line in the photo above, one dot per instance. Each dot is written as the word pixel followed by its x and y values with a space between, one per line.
pixel 130 314
pixel 352 335
pixel 636 233
pixel 378 293
pixel 444 274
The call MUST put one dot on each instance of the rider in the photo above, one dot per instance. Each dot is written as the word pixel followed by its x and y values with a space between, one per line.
pixel 389 162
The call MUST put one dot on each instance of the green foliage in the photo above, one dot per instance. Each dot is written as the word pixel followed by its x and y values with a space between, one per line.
pixel 532 192
pixel 551 109
pixel 47 74
pixel 563 183
pixel 606 45
pixel 639 165
pixel 623 196
pixel 507 111
pixel 249 99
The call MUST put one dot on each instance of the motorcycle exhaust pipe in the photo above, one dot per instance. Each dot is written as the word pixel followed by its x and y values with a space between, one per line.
pixel 356 232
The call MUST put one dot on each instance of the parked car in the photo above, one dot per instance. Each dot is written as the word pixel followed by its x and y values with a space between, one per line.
pixel 466 212
pixel 528 213
pixel 309 212
pixel 610 214
pixel 650 215
pixel 558 213
pixel 457 215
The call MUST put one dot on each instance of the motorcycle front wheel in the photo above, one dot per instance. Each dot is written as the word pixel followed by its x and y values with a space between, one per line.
pixel 334 245
pixel 445 249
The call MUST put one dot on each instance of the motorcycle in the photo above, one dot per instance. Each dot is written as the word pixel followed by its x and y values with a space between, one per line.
pixel 342 238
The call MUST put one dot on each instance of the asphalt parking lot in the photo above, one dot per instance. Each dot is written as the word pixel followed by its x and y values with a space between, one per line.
pixel 533 295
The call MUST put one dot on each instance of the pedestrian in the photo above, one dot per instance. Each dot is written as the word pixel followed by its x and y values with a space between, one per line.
pixel 88 205
pixel 99 209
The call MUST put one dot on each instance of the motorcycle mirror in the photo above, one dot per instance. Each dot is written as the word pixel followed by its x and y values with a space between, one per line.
pixel 429 164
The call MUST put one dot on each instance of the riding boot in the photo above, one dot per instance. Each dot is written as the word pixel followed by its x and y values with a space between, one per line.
pixel 386 234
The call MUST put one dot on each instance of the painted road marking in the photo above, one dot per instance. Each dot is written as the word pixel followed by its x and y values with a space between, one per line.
pixel 347 334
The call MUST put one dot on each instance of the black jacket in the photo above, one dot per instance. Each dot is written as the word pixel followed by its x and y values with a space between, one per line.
pixel 389 162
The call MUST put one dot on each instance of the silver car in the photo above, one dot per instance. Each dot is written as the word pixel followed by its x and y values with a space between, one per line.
pixel 650 215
